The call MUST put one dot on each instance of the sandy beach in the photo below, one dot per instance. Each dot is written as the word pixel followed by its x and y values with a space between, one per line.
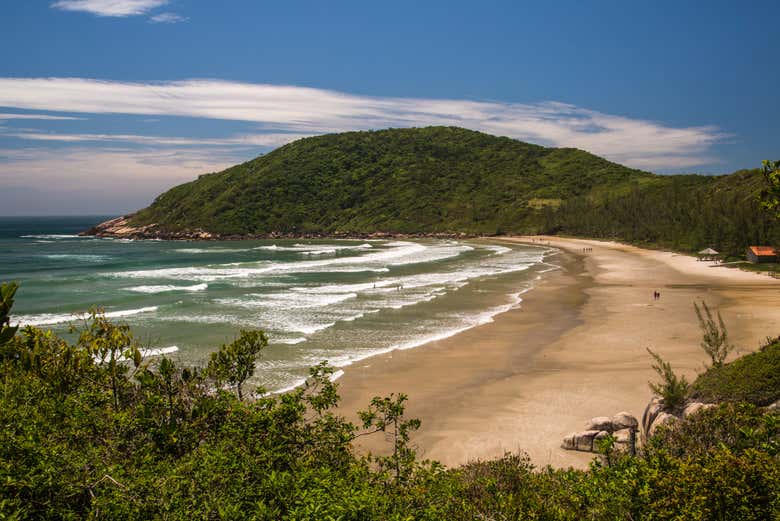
pixel 575 349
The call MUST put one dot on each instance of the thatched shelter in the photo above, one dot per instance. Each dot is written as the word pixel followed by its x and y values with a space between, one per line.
pixel 708 254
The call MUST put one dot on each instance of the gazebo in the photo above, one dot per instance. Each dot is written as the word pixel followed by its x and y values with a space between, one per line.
pixel 708 254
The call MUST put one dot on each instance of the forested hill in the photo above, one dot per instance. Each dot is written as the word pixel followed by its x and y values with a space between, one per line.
pixel 435 179
pixel 453 180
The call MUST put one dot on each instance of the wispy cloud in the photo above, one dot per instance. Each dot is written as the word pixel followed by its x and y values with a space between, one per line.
pixel 167 18
pixel 270 139
pixel 118 8
pixel 7 116
pixel 281 108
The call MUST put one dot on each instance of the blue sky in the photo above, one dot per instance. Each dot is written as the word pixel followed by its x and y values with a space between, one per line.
pixel 105 103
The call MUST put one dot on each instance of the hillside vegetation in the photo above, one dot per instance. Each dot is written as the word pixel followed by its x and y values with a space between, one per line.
pixel 402 180
pixel 452 180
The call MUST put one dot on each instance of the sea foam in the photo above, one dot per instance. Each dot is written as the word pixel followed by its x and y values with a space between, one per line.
pixel 47 319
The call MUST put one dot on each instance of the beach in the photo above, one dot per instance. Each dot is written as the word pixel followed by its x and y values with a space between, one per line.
pixel 574 349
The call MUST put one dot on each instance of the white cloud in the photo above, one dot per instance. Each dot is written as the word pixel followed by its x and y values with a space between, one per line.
pixel 280 108
pixel 258 140
pixel 110 7
pixel 7 116
pixel 100 180
pixel 167 18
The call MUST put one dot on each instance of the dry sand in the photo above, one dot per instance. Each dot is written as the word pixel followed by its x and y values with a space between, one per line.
pixel 575 349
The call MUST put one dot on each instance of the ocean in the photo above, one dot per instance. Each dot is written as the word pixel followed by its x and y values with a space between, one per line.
pixel 334 300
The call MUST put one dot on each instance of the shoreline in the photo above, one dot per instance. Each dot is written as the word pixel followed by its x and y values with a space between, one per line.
pixel 486 351
pixel 120 228
pixel 573 350
pixel 487 316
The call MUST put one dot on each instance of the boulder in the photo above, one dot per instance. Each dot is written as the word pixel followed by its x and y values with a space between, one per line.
pixel 584 440
pixel 695 407
pixel 622 436
pixel 773 406
pixel 662 418
pixel 653 409
pixel 600 423
pixel 570 442
pixel 624 420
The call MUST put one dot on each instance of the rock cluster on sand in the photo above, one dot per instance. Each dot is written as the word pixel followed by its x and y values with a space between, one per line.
pixel 620 426
pixel 656 415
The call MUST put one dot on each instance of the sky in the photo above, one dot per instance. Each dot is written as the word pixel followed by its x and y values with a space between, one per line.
pixel 104 104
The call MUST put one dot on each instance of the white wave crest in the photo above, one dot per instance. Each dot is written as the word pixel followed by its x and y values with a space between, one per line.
pixel 53 236
pixel 77 256
pixel 289 341
pixel 288 300
pixel 159 351
pixel 47 319
pixel 168 288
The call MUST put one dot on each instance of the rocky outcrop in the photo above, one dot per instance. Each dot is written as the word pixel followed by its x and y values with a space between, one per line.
pixel 695 407
pixel 656 415
pixel 662 418
pixel 122 228
pixel 600 423
pixel 622 426
pixel 624 420
pixel 653 409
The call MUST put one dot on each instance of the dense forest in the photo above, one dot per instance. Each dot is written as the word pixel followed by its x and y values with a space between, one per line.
pixel 683 212
pixel 89 429
pixel 452 180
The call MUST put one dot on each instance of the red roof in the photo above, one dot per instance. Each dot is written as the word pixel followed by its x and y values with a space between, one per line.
pixel 763 251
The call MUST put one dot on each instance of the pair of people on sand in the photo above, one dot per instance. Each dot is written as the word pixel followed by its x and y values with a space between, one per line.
pixel 656 295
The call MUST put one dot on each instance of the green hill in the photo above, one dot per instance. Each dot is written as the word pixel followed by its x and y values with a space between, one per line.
pixel 453 180
pixel 434 179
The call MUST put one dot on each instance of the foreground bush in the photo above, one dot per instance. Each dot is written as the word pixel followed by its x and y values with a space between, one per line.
pixel 91 430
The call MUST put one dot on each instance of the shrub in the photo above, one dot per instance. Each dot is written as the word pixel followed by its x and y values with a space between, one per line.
pixel 753 378
pixel 673 389
pixel 715 337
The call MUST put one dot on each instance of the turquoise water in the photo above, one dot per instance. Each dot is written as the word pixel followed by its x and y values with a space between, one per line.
pixel 335 300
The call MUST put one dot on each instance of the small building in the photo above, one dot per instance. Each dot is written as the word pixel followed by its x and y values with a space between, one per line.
pixel 708 254
pixel 756 254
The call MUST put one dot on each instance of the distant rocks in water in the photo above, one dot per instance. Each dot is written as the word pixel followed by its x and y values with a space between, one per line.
pixel 622 426
pixel 123 228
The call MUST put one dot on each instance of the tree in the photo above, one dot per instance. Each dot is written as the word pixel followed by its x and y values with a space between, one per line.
pixel 770 196
pixel 387 415
pixel 7 292
pixel 111 346
pixel 234 363
pixel 673 389
pixel 715 337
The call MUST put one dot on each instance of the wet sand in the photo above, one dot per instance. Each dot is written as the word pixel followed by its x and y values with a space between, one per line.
pixel 575 349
